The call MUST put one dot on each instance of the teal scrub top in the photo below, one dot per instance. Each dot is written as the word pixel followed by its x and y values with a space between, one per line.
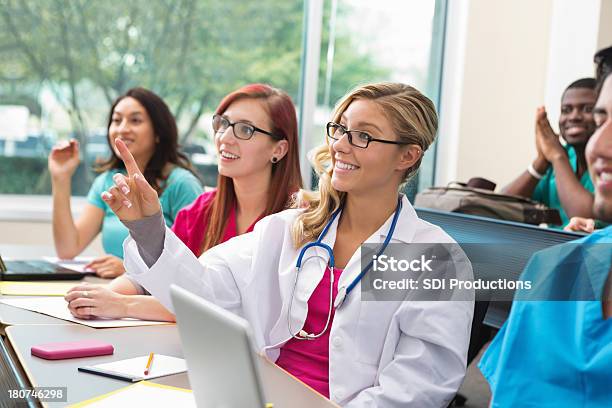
pixel 546 190
pixel 557 353
pixel 182 187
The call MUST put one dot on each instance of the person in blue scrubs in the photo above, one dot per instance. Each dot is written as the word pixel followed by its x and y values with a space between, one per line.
pixel 144 122
pixel 555 349
pixel 558 176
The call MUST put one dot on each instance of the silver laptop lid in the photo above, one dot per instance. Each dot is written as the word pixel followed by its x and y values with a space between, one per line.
pixel 216 343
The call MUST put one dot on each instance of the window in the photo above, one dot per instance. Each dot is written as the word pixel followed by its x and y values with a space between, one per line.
pixel 386 40
pixel 63 63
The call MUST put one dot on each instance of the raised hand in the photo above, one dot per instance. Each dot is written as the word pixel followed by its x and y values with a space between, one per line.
pixel 547 141
pixel 64 160
pixel 132 197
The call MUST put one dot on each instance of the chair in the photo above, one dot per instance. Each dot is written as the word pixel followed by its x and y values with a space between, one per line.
pixel 497 249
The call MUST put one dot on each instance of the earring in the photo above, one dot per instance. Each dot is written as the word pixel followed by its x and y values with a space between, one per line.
pixel 274 159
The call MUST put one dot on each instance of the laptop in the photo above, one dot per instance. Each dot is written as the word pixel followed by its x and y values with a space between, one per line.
pixel 221 363
pixel 37 270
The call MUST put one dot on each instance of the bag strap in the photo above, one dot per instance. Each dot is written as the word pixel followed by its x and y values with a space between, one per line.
pixel 475 182
pixel 482 183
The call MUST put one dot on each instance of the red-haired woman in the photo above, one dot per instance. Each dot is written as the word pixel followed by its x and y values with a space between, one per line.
pixel 256 138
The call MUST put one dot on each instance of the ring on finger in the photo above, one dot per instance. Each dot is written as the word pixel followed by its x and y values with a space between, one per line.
pixel 85 294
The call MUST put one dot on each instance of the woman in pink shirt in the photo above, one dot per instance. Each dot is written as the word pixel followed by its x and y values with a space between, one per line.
pixel 256 138
pixel 257 177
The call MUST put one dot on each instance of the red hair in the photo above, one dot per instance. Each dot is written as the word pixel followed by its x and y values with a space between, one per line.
pixel 285 177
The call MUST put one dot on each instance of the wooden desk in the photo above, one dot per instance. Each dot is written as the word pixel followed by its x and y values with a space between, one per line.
pixel 281 389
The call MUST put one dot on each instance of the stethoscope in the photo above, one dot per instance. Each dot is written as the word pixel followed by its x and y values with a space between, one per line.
pixel 344 291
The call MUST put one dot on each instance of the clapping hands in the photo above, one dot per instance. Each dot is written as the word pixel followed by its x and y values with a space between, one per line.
pixel 547 141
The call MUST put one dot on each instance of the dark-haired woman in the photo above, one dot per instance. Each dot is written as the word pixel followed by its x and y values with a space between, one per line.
pixel 143 121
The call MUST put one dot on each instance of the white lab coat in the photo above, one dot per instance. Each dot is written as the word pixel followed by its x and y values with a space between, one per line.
pixel 381 354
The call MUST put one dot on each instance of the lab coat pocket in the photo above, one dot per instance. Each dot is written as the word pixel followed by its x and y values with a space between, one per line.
pixel 372 328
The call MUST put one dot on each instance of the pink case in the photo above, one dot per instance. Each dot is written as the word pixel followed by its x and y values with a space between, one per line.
pixel 72 349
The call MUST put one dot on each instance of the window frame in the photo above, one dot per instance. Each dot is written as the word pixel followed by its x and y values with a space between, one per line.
pixel 38 208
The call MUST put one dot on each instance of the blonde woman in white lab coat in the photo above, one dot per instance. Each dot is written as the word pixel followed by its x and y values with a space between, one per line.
pixel 361 354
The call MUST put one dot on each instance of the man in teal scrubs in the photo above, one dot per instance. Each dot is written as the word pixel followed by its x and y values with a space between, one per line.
pixel 558 177
pixel 555 349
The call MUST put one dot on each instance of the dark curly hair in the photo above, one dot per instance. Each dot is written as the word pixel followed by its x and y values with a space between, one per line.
pixel 603 60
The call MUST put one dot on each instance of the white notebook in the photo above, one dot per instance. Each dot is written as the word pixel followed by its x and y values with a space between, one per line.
pixel 76 264
pixel 58 307
pixel 132 369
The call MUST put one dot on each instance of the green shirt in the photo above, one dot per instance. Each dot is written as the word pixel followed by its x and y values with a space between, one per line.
pixel 182 188
pixel 546 190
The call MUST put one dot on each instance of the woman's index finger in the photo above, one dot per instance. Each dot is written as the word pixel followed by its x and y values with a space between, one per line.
pixel 128 159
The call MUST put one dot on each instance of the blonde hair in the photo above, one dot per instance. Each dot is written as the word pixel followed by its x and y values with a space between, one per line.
pixel 413 118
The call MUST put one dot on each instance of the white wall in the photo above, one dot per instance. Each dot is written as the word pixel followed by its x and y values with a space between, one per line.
pixel 38 234
pixel 34 233
pixel 574 38
pixel 503 59
pixel 605 24
pixel 26 220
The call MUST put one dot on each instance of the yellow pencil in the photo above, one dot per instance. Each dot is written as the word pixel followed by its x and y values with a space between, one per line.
pixel 148 367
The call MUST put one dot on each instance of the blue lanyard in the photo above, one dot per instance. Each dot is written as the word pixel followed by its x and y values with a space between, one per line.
pixel 344 291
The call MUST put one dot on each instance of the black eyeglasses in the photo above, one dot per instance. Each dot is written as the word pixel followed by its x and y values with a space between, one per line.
pixel 242 130
pixel 356 138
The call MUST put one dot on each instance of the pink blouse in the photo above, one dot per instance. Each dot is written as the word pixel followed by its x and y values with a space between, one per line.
pixel 308 360
pixel 191 223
